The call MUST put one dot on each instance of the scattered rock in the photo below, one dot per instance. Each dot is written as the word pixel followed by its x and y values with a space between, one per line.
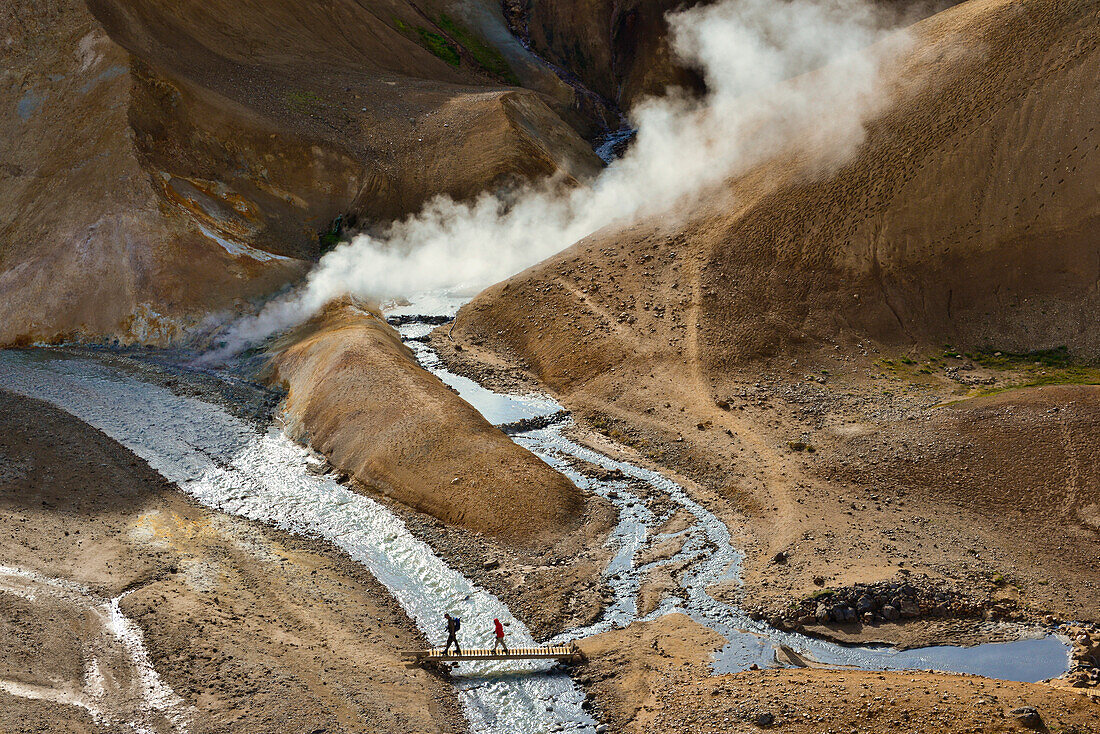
pixel 1027 716
pixel 764 719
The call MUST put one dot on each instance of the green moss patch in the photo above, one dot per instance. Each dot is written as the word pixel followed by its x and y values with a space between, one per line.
pixel 304 102
pixel 436 43
pixel 487 57
pixel 454 38
pixel 1005 360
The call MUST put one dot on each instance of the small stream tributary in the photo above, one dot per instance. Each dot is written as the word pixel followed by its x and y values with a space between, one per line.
pixel 706 556
pixel 227 463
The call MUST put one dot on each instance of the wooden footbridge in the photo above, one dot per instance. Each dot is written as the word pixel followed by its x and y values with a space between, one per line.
pixel 562 653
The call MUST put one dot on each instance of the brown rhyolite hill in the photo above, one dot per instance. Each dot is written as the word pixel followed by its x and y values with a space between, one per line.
pixel 728 340
pixel 154 156
pixel 969 216
pixel 356 394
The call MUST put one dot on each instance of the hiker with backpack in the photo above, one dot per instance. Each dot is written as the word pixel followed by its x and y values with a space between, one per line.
pixel 453 625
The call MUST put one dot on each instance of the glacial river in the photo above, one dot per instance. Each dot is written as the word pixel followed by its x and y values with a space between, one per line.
pixel 229 464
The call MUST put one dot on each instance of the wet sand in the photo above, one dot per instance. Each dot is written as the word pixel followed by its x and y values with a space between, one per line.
pixel 655 677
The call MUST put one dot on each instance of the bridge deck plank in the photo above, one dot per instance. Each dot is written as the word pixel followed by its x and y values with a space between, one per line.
pixel 564 653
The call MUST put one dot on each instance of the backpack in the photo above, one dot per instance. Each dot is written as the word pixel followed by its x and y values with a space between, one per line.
pixel 458 624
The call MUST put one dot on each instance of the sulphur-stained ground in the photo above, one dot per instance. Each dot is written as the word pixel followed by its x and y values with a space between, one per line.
pixel 253 629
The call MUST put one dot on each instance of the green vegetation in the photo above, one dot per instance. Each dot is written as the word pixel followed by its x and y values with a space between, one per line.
pixel 434 42
pixel 485 55
pixel 304 102
pixel 447 46
pixel 1068 376
pixel 1040 367
pixel 331 238
pixel 1004 360
pixel 1035 368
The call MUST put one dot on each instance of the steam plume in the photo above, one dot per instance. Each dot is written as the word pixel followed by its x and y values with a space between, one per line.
pixel 755 55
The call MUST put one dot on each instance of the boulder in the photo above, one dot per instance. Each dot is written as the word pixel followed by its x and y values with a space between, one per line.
pixel 1027 716
pixel 764 719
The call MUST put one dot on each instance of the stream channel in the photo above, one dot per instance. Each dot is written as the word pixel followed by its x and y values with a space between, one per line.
pixel 251 469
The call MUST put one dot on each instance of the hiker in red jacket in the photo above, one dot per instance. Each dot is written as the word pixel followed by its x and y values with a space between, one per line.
pixel 498 628
pixel 453 625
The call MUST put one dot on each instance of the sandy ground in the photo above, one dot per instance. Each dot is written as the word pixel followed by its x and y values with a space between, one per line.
pixel 256 630
pixel 808 377
pixel 654 678
pixel 901 487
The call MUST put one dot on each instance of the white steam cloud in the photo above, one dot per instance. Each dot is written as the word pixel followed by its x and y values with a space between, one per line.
pixel 802 75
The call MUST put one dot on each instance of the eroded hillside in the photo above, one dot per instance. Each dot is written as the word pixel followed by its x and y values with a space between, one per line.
pixel 163 162
pixel 765 342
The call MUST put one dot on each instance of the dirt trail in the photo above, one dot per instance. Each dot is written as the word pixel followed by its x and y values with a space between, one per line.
pixel 791 344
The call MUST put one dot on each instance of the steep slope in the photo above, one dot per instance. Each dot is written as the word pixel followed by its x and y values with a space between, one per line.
pixel 361 109
pixel 968 216
pixel 156 156
pixel 619 49
pixel 86 245
pixel 727 340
